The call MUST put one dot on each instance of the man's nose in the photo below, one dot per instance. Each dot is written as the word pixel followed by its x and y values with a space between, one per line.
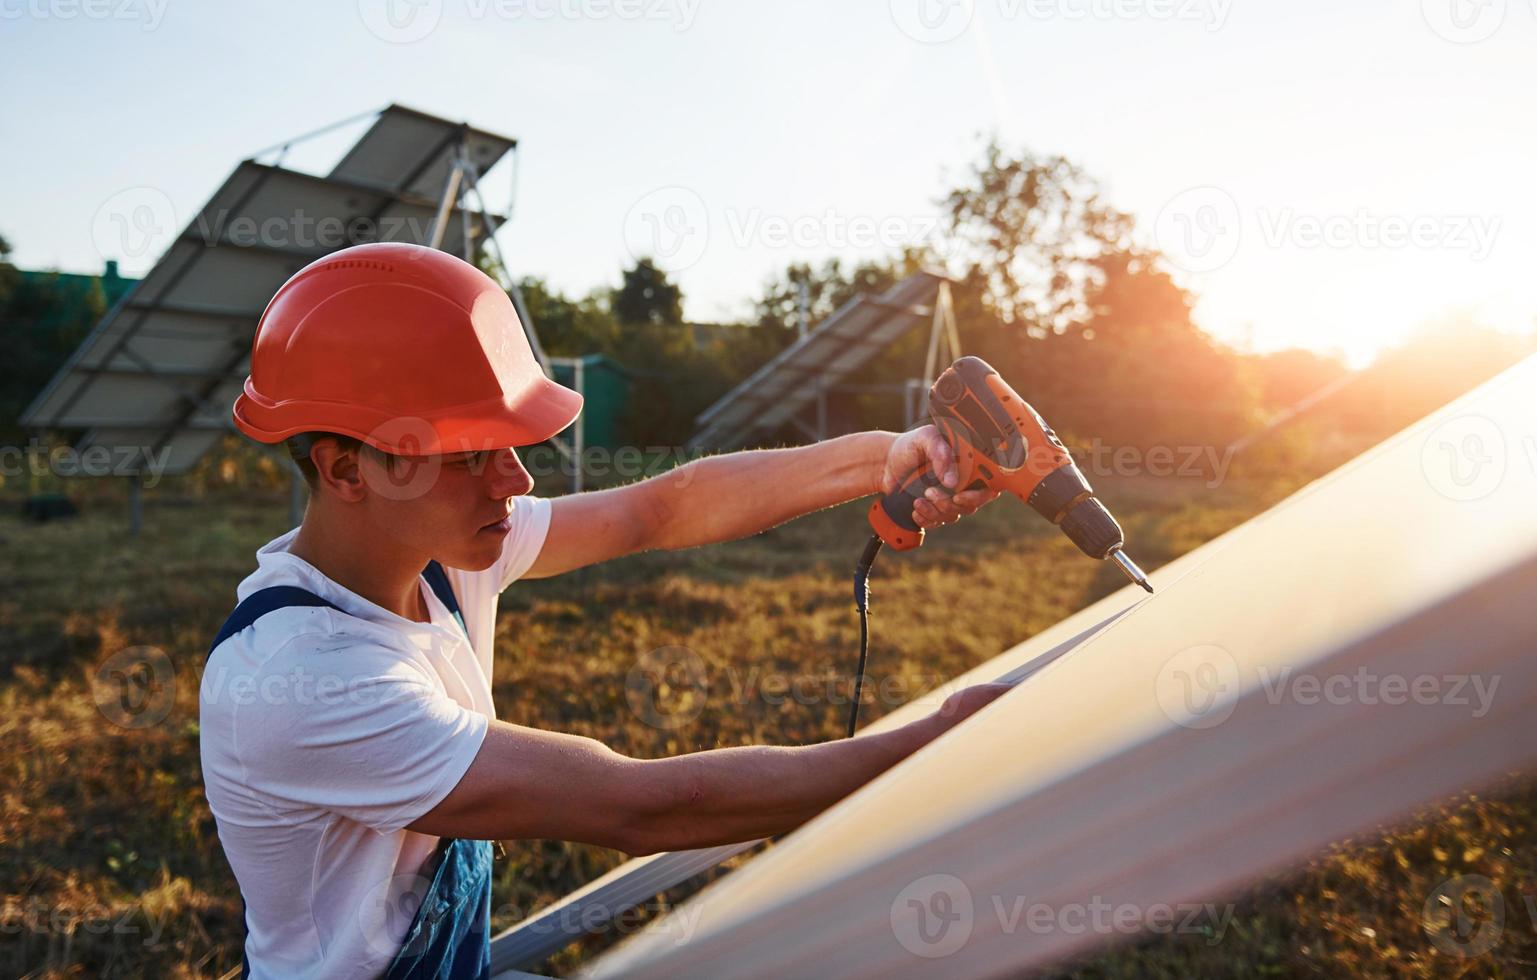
pixel 506 477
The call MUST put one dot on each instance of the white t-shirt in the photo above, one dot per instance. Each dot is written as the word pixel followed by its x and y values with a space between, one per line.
pixel 325 733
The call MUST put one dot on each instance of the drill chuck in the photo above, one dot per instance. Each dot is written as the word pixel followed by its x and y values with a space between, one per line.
pixel 1089 525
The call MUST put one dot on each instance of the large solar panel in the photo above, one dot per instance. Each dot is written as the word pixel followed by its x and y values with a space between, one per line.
pixel 155 378
pixel 1146 758
pixel 842 343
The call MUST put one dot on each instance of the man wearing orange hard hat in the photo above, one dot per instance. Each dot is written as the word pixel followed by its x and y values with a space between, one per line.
pixel 350 748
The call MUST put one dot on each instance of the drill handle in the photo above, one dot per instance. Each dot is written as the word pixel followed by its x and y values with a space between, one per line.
pixel 891 516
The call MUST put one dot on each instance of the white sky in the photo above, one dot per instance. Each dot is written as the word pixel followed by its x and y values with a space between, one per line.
pixel 1275 148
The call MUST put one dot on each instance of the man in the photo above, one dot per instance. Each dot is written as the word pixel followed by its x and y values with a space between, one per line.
pixel 350 749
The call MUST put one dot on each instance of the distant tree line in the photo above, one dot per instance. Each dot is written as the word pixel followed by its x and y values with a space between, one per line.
pixel 1050 286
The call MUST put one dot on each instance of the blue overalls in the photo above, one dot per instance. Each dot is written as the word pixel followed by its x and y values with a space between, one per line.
pixel 450 936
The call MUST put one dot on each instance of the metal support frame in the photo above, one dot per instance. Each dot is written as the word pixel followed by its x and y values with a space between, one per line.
pixel 942 329
pixel 446 202
pixel 135 505
pixel 494 251
pixel 912 397
pixel 578 447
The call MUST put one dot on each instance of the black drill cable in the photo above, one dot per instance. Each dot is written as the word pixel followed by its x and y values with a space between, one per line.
pixel 862 603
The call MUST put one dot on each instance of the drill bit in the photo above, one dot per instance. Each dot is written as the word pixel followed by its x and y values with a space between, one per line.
pixel 1130 568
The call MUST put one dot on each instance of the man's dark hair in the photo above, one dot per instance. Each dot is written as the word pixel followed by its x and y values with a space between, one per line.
pixel 299 449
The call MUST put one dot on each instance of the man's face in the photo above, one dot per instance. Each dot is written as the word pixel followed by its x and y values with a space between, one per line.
pixel 453 507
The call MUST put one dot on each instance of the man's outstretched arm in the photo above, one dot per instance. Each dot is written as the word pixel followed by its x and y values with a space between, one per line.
pixel 526 783
pixel 722 498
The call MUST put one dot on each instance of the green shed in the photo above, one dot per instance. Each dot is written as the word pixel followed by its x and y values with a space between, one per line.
pixel 605 387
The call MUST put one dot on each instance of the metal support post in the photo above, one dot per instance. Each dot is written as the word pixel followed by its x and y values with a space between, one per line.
pixel 135 506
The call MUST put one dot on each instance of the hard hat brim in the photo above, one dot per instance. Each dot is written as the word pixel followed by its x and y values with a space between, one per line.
pixel 539 412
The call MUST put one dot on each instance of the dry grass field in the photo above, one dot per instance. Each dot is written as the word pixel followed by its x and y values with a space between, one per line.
pixel 109 865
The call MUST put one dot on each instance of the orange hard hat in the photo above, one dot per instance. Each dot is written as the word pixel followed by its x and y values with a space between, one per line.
pixel 405 347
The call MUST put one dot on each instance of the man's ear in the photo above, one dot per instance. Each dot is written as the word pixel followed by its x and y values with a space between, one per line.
pixel 339 469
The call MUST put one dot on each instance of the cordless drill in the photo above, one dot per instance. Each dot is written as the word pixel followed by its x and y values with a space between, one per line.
pixel 1001 443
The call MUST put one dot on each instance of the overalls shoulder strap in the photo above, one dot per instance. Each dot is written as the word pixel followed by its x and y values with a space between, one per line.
pixel 260 603
pixel 263 601
pixel 437 580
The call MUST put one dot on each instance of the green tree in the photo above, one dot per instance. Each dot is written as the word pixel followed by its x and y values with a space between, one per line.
pixel 43 318
pixel 672 379
pixel 646 296
pixel 1035 228
pixel 567 327
pixel 1136 370
pixel 8 274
